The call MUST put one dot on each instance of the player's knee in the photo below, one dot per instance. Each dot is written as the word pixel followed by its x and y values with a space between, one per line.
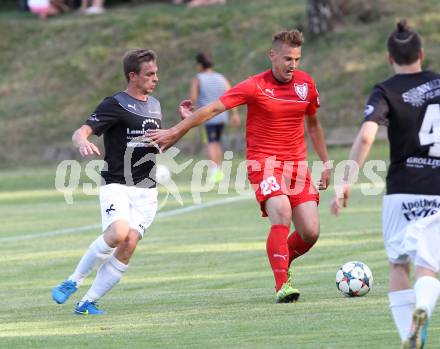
pixel 399 277
pixel 282 219
pixel 399 269
pixel 311 234
pixel 283 215
pixel 116 233
pixel 128 246
pixel 286 216
pixel 132 240
pixel 278 209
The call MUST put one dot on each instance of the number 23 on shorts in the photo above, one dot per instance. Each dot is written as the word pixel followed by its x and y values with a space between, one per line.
pixel 269 185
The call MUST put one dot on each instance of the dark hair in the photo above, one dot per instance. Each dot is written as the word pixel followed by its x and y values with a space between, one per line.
pixel 133 60
pixel 404 44
pixel 293 38
pixel 205 60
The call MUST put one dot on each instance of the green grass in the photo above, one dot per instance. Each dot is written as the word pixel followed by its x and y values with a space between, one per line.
pixel 198 280
pixel 54 73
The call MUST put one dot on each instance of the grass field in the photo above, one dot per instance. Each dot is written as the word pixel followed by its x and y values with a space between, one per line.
pixel 76 61
pixel 199 279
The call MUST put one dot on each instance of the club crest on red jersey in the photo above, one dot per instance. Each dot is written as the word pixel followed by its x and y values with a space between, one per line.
pixel 301 90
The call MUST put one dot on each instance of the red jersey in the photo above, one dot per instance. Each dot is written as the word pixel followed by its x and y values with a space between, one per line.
pixel 276 112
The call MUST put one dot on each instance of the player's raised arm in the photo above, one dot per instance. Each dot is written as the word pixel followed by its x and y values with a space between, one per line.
pixel 359 152
pixel 80 141
pixel 166 138
pixel 317 136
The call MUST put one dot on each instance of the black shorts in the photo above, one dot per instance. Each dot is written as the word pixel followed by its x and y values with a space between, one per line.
pixel 214 132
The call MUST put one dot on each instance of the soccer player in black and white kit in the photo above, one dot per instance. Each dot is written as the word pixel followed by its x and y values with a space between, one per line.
pixel 128 196
pixel 408 103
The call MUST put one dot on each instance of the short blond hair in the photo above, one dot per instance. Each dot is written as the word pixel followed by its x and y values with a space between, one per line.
pixel 293 38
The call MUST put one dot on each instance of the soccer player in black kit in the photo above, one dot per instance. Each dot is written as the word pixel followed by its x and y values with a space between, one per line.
pixel 128 195
pixel 408 103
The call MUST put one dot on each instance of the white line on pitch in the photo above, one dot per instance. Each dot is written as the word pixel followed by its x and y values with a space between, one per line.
pixel 164 214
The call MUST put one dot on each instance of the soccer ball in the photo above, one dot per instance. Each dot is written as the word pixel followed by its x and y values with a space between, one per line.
pixel 163 174
pixel 354 279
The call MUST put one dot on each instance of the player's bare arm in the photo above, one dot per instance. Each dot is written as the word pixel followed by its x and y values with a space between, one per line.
pixel 234 119
pixel 80 141
pixel 166 138
pixel 359 152
pixel 194 90
pixel 317 136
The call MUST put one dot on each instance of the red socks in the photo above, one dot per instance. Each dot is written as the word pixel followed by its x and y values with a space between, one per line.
pixel 297 246
pixel 282 249
pixel 278 253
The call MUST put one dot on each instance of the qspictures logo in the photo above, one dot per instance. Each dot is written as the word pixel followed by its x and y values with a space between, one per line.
pixel 413 210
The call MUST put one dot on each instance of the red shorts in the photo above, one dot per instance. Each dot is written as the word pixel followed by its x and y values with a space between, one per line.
pixel 289 178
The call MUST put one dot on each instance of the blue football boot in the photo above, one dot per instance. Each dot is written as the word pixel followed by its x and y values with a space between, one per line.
pixel 88 308
pixel 63 291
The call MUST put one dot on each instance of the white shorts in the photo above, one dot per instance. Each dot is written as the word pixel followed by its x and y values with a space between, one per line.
pixel 411 228
pixel 137 206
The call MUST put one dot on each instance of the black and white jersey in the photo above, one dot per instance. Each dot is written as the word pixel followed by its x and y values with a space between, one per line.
pixel 409 104
pixel 123 120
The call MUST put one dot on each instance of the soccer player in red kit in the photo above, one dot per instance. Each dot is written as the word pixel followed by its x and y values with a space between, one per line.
pixel 279 100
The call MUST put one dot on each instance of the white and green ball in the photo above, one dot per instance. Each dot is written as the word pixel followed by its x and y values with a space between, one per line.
pixel 354 279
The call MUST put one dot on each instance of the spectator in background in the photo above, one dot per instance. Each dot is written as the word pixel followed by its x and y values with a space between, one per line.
pixel 206 87
pixel 92 7
pixel 195 3
pixel 46 8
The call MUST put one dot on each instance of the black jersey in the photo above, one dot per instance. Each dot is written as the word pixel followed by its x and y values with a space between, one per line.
pixel 409 104
pixel 123 120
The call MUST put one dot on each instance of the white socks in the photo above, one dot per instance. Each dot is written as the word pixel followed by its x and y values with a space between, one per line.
pixel 97 253
pixel 425 294
pixel 427 290
pixel 108 275
pixel 402 306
